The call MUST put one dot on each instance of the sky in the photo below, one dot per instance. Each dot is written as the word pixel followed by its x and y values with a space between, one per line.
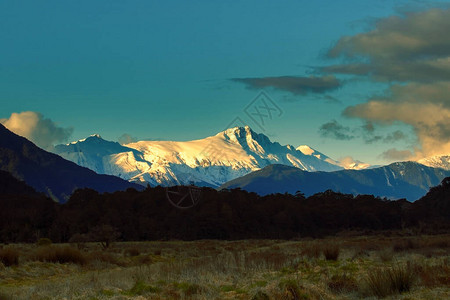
pixel 363 80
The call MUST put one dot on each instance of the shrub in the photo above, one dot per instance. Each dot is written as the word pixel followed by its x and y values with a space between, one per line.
pixel 104 234
pixel 331 251
pixel 388 281
pixel 60 255
pixel 44 242
pixel 9 257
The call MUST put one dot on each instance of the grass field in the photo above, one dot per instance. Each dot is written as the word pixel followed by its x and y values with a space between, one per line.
pixel 344 267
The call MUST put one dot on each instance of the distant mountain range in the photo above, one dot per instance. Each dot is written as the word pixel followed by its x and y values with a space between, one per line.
pixel 206 162
pixel 408 180
pixel 236 152
pixel 49 173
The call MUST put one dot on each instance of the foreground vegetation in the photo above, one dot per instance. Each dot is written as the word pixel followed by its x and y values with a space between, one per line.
pixel 349 266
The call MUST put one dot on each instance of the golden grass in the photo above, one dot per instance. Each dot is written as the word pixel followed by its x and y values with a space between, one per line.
pixel 247 269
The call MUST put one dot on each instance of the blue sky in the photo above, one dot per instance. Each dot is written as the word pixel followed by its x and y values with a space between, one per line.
pixel 180 70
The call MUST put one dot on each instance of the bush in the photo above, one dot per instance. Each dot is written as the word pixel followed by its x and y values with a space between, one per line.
pixel 384 282
pixel 44 242
pixel 331 251
pixel 9 257
pixel 60 255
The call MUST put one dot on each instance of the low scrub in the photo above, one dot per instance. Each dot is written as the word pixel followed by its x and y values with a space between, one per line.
pixel 9 257
pixel 60 255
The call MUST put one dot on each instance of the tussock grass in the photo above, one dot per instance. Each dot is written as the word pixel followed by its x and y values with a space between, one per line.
pixel 9 256
pixel 311 250
pixel 331 251
pixel 56 254
pixel 383 282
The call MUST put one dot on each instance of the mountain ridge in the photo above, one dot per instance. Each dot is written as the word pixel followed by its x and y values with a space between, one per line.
pixel 49 173
pixel 408 180
pixel 211 161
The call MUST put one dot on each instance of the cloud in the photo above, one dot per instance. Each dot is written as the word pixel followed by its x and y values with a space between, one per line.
pixel 425 107
pixel 413 46
pixel 296 85
pixel 126 139
pixel 349 162
pixel 396 155
pixel 366 132
pixel 335 130
pixel 33 126
pixel 410 51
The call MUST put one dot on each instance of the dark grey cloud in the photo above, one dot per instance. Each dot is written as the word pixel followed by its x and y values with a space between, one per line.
pixel 296 85
pixel 411 51
pixel 412 46
pixel 335 130
pixel 366 132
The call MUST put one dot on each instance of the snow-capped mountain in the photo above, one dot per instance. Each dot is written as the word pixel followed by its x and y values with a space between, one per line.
pixel 211 161
pixel 438 161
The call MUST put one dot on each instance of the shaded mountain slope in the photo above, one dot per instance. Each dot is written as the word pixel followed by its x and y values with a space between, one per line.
pixel 49 173
pixel 399 180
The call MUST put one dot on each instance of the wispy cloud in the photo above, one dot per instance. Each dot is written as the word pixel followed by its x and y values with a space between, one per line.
pixel 367 133
pixel 296 85
pixel 33 126
pixel 126 139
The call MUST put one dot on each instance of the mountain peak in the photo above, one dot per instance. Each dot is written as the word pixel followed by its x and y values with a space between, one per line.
pixel 92 137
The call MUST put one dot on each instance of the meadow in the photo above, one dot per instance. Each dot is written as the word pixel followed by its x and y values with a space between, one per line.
pixel 393 266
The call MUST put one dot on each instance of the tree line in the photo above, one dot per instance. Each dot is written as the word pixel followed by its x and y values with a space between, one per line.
pixel 228 214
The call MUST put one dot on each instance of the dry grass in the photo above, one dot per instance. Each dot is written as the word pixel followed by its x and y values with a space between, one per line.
pixel 248 269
